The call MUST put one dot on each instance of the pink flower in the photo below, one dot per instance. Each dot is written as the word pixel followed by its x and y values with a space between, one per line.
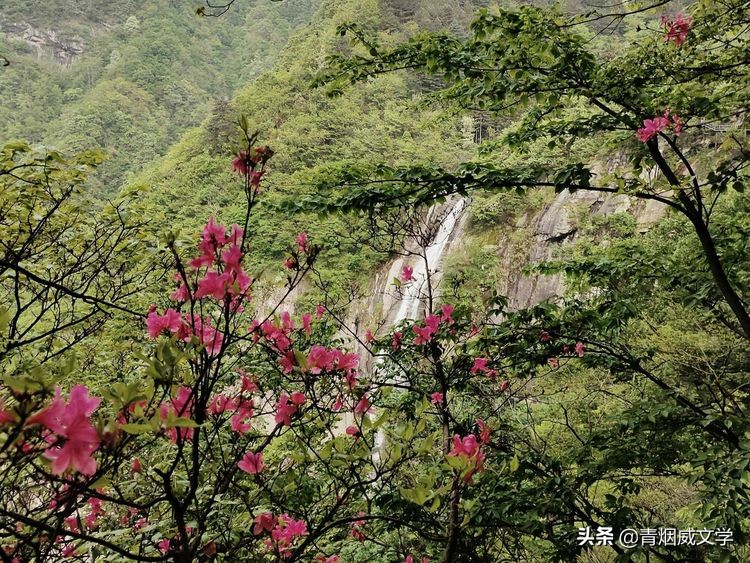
pixel 264 522
pixel 232 258
pixel 136 467
pixel 407 274
pixel 470 449
pixel 347 362
pixel 72 523
pixel 170 321
pixel 579 349
pixel 240 164
pixel 677 29
pixel 467 446
pixel 307 323
pixel 219 403
pixel 298 398
pixel 213 237
pixel 362 406
pixel 236 236
pixel 446 312
pixel 437 398
pixel 290 263
pixel 396 342
pixel 320 311
pixel 248 385
pixel 212 285
pixel 484 431
pixel 211 338
pixel 286 321
pixel 677 125
pixel 240 421
pixel 256 177
pixel 504 386
pixel 425 334
pixel 179 406
pixel 96 511
pixel 301 241
pixel 71 423
pixel 252 463
pixel 352 431
pixel 356 528
pixel 164 545
pixel 369 338
pixel 480 364
pixel 651 128
pixel 285 532
pixel 284 410
pixel 320 359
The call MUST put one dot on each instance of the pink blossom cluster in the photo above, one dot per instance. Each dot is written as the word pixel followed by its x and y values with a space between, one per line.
pixel 470 448
pixel 481 366
pixel 241 407
pixel 245 163
pixel 91 519
pixel 185 327
pixel 303 247
pixel 432 324
pixel 677 29
pixel 180 406
pixel 652 127
pixel 284 531
pixel 332 360
pixel 288 407
pixel 278 336
pixel 252 463
pixel 68 429
pixel 407 274
pixel 224 279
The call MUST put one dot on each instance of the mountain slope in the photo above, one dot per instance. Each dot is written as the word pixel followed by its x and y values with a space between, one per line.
pixel 129 77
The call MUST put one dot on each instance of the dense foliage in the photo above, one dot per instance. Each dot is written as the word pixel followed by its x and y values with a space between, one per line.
pixel 167 398
pixel 139 74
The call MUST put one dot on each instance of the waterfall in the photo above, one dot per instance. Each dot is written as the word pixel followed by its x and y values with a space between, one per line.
pixel 412 294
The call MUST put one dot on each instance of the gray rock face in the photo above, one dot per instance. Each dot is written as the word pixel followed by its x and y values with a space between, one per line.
pixel 551 230
pixel 46 43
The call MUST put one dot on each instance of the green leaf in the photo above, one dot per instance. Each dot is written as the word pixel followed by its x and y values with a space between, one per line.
pixel 137 428
pixel 514 464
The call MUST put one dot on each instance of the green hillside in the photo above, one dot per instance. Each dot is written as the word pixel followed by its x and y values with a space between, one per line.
pixel 375 281
pixel 137 74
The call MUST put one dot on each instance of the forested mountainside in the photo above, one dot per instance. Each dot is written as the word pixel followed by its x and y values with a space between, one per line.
pixel 374 280
pixel 129 77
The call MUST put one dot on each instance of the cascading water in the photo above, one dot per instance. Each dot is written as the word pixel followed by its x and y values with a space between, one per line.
pixel 413 294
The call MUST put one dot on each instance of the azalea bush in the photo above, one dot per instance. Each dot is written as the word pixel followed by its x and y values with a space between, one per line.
pixel 657 402
pixel 241 428
pixel 249 430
